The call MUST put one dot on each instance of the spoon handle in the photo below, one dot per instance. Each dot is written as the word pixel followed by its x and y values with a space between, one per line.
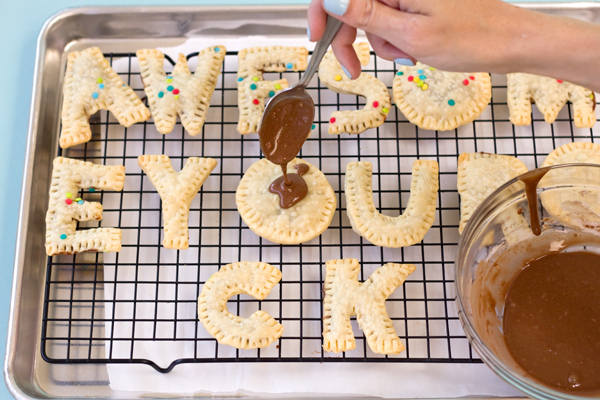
pixel 331 29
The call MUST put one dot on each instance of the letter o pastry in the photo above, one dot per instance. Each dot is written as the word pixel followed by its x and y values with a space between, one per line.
pixel 255 279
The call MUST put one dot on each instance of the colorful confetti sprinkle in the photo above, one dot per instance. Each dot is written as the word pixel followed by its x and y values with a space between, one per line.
pixel 290 66
pixel 63 236
pixel 271 93
pixel 175 91
pixel 78 199
pixel 472 78
pixel 101 86
pixel 337 78
pixel 169 80
pixel 68 195
pixel 559 81
pixel 217 49
pixel 400 73
pixel 313 126
pixel 451 102
pixel 420 71
pixel 170 88
pixel 332 120
pixel 99 80
pixel 421 83
pixel 160 95
pixel 277 86
pixel 253 86
pixel 425 87
pixel 385 110
pixel 80 202
pixel 255 101
pixel 466 82
pixel 95 95
pixel 422 77
pixel 176 97
pixel 240 79
pixel 431 68
pixel 68 201
pixel 375 104
pixel 410 78
pixel 92 190
pixel 416 79
pixel 255 78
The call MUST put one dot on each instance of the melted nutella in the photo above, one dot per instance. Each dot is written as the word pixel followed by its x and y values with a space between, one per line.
pixel 551 320
pixel 282 134
pixel 290 194
pixel 531 181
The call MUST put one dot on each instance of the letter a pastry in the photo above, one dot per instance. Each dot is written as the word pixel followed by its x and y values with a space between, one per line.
pixel 90 85
pixel 176 190
pixel 479 174
pixel 577 152
pixel 382 230
pixel 65 208
pixel 255 279
pixel 253 89
pixel 549 95
pixel 345 297
pixel 261 210
pixel 180 93
pixel 378 98
pixel 440 100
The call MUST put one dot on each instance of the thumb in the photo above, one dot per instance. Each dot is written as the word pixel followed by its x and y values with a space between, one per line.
pixel 371 16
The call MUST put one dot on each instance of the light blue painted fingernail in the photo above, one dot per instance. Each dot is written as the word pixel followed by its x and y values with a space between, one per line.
pixel 337 7
pixel 308 32
pixel 404 61
pixel 346 72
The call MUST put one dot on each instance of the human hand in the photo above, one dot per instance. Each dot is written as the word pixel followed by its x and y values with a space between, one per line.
pixel 464 36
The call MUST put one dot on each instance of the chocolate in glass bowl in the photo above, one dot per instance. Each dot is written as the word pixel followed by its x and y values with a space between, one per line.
pixel 490 256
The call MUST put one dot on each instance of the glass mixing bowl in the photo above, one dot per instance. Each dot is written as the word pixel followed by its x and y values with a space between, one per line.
pixel 569 204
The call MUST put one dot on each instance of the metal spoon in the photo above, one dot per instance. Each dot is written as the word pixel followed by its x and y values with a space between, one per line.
pixel 277 132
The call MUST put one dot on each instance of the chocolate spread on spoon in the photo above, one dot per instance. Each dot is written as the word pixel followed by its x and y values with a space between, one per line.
pixel 281 135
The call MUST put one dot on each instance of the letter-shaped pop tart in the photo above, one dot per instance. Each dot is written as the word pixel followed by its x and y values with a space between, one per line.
pixel 65 208
pixel 253 89
pixel 345 297
pixel 255 279
pixel 549 95
pixel 181 92
pixel 383 230
pixel 90 85
pixel 378 97
pixel 176 190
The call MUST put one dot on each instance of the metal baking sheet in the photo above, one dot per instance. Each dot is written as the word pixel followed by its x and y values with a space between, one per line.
pixel 124 30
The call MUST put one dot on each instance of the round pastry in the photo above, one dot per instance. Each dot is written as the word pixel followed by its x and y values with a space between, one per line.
pixel 440 100
pixel 261 210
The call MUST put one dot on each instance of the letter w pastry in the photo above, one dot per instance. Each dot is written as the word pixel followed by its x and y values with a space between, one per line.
pixel 345 297
pixel 181 93
pixel 176 190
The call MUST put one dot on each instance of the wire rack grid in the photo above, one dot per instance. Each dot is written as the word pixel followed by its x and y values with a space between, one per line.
pixel 126 307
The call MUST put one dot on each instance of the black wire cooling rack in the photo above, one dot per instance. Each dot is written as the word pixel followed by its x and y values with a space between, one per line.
pixel 122 307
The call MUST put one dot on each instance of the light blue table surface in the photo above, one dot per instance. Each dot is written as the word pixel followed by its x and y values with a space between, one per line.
pixel 20 24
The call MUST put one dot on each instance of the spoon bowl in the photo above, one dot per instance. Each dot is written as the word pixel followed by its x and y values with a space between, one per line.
pixel 288 117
